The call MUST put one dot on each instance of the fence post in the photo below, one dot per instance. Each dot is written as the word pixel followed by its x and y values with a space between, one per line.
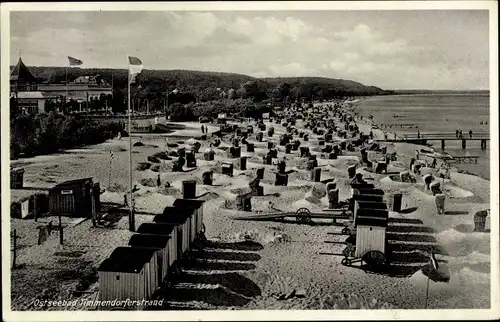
pixel 60 231
pixel 14 250
pixel 34 208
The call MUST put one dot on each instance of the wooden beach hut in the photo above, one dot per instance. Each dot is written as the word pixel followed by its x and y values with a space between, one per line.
pixel 166 230
pixel 195 207
pixel 128 273
pixel 16 178
pixel 180 219
pixel 371 225
pixel 77 198
pixel 161 243
pixel 181 216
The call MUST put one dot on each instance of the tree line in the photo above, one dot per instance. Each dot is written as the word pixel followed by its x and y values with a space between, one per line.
pixel 160 88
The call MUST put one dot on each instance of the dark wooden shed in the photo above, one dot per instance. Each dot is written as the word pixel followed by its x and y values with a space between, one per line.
pixel 16 178
pixel 77 198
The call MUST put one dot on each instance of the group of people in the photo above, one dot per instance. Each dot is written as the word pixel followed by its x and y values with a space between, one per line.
pixel 459 135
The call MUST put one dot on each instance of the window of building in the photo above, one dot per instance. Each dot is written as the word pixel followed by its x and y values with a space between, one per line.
pixel 31 106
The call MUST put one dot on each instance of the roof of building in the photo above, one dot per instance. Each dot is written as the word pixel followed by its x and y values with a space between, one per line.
pixel 71 182
pixel 30 95
pixel 21 73
pixel 174 215
pixel 371 204
pixel 376 213
pixel 370 221
pixel 149 240
pixel 156 228
pixel 369 191
pixel 127 259
pixel 188 203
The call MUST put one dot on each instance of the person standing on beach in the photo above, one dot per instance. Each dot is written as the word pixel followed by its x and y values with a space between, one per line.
pixel 158 181
pixel 470 133
pixel 202 129
pixel 456 133
pixel 125 200
pixel 418 134
pixel 434 162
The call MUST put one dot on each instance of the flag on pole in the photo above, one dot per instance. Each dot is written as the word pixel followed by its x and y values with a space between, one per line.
pixel 134 68
pixel 74 62
pixel 434 261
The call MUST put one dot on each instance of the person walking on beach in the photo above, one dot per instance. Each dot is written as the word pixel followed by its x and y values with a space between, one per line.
pixel 470 133
pixel 125 200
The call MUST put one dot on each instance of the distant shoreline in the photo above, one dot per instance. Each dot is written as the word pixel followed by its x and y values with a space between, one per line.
pixel 439 92
pixel 354 104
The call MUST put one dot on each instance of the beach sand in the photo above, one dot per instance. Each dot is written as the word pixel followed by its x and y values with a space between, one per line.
pixel 251 264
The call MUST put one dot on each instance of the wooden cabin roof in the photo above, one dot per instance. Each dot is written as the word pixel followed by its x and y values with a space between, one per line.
pixel 156 228
pixel 71 182
pixel 127 259
pixel 371 204
pixel 367 212
pixel 188 203
pixel 373 198
pixel 175 215
pixel 369 191
pixel 363 186
pixel 149 240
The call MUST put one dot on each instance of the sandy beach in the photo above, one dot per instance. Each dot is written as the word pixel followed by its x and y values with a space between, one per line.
pixel 260 265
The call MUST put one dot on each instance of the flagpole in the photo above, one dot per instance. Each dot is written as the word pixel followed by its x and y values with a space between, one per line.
pixel 427 291
pixel 131 218
pixel 66 97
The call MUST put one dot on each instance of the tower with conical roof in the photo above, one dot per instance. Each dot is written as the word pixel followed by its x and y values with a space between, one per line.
pixel 21 78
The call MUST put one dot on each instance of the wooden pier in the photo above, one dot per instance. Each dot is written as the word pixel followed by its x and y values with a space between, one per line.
pixel 463 159
pixel 422 138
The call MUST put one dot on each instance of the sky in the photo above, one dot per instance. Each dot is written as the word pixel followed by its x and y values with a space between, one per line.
pixel 398 49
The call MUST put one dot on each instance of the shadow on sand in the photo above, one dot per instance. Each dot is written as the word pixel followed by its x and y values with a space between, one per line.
pixel 408 210
pixel 228 256
pixel 247 245
pixel 456 212
pixel 224 289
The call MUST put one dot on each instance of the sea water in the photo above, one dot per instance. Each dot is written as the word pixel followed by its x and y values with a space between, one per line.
pixel 437 113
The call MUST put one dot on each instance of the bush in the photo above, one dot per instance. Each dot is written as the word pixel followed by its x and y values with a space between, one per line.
pixel 41 134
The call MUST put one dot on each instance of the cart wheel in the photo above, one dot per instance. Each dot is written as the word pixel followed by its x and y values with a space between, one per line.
pixel 303 216
pixel 374 259
pixel 346 262
pixel 349 250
